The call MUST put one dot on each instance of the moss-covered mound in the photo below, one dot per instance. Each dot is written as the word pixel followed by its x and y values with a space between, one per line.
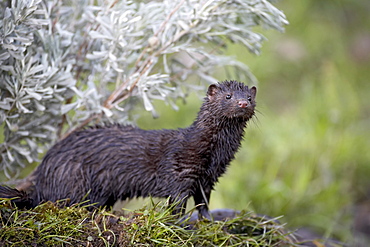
pixel 50 225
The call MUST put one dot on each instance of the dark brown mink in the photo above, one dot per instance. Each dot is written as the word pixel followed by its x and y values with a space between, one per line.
pixel 110 163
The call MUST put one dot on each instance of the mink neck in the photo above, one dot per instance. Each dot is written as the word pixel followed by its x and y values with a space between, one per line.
pixel 217 125
pixel 221 137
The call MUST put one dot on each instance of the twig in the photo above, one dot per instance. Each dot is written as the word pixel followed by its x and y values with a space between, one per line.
pixel 118 95
pixel 83 124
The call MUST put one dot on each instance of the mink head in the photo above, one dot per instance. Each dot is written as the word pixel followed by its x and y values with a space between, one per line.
pixel 232 99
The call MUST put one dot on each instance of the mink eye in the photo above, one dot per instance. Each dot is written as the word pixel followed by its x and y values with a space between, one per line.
pixel 228 96
pixel 249 98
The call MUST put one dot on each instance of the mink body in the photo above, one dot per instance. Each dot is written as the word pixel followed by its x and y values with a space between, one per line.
pixel 110 163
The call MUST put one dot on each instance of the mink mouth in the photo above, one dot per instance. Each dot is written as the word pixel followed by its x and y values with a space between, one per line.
pixel 242 113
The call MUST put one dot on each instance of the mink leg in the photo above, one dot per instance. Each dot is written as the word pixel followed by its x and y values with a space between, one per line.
pixel 201 199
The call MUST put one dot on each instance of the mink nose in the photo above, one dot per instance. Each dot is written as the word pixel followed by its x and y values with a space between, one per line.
pixel 243 103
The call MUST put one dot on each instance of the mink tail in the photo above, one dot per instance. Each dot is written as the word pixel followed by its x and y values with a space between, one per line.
pixel 20 198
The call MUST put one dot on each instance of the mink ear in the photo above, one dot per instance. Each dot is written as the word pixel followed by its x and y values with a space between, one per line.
pixel 212 90
pixel 253 91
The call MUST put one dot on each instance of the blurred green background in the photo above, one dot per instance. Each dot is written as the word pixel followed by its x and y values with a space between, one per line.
pixel 307 154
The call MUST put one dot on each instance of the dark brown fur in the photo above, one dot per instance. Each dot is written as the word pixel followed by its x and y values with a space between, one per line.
pixel 117 162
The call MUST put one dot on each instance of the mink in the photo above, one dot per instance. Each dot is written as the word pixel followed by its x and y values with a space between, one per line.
pixel 115 162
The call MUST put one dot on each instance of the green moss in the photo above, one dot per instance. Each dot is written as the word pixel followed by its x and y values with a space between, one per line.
pixel 50 225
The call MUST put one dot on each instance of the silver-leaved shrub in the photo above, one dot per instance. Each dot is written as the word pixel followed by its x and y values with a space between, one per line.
pixel 65 64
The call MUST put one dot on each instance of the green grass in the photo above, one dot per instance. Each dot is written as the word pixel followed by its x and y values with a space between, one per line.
pixel 154 225
pixel 45 225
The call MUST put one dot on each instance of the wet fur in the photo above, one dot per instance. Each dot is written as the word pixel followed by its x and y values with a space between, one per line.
pixel 116 162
